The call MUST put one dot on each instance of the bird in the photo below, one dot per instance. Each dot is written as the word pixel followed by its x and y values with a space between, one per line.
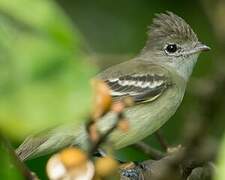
pixel 156 80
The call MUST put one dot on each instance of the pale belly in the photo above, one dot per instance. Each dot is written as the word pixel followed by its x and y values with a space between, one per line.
pixel 144 119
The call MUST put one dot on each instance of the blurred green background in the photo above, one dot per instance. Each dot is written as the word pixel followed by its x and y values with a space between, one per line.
pixel 50 49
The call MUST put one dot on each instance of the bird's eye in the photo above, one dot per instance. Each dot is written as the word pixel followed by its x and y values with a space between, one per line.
pixel 171 48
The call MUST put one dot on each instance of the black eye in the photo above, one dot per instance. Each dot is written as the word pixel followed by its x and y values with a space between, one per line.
pixel 171 48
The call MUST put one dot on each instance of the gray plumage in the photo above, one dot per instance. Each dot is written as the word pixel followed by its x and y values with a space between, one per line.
pixel 169 27
pixel 156 79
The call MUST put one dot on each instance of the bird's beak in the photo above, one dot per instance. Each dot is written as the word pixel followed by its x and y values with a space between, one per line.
pixel 201 47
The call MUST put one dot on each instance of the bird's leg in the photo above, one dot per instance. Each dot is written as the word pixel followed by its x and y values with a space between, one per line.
pixel 148 150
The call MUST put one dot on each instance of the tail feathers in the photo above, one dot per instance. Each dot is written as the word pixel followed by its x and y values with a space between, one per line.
pixel 50 141
pixel 30 147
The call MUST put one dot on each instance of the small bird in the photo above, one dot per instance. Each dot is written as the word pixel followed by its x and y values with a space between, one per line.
pixel 156 79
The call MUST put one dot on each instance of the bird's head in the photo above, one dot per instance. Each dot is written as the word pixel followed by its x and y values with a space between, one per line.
pixel 173 42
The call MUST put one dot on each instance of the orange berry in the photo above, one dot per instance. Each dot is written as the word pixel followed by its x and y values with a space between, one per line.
pixel 73 157
pixel 106 166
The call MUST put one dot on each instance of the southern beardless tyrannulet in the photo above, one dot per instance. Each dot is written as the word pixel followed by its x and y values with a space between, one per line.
pixel 156 79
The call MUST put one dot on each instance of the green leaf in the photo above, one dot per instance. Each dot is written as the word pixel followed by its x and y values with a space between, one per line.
pixel 44 77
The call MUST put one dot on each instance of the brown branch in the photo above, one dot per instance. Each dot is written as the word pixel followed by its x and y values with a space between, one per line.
pixel 180 164
pixel 171 167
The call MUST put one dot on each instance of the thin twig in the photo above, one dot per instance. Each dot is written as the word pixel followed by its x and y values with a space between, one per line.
pixel 103 137
pixel 148 150
pixel 162 140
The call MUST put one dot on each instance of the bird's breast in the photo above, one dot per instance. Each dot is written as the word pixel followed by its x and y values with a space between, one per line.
pixel 144 119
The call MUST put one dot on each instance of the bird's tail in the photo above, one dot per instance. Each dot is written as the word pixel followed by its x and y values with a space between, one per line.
pixel 49 141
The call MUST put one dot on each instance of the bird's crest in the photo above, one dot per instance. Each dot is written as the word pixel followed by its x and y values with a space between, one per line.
pixel 169 25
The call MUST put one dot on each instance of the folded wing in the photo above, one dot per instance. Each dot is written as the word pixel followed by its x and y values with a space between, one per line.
pixel 141 87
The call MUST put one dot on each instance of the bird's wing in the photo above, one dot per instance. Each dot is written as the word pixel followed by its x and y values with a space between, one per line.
pixel 141 87
pixel 145 85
